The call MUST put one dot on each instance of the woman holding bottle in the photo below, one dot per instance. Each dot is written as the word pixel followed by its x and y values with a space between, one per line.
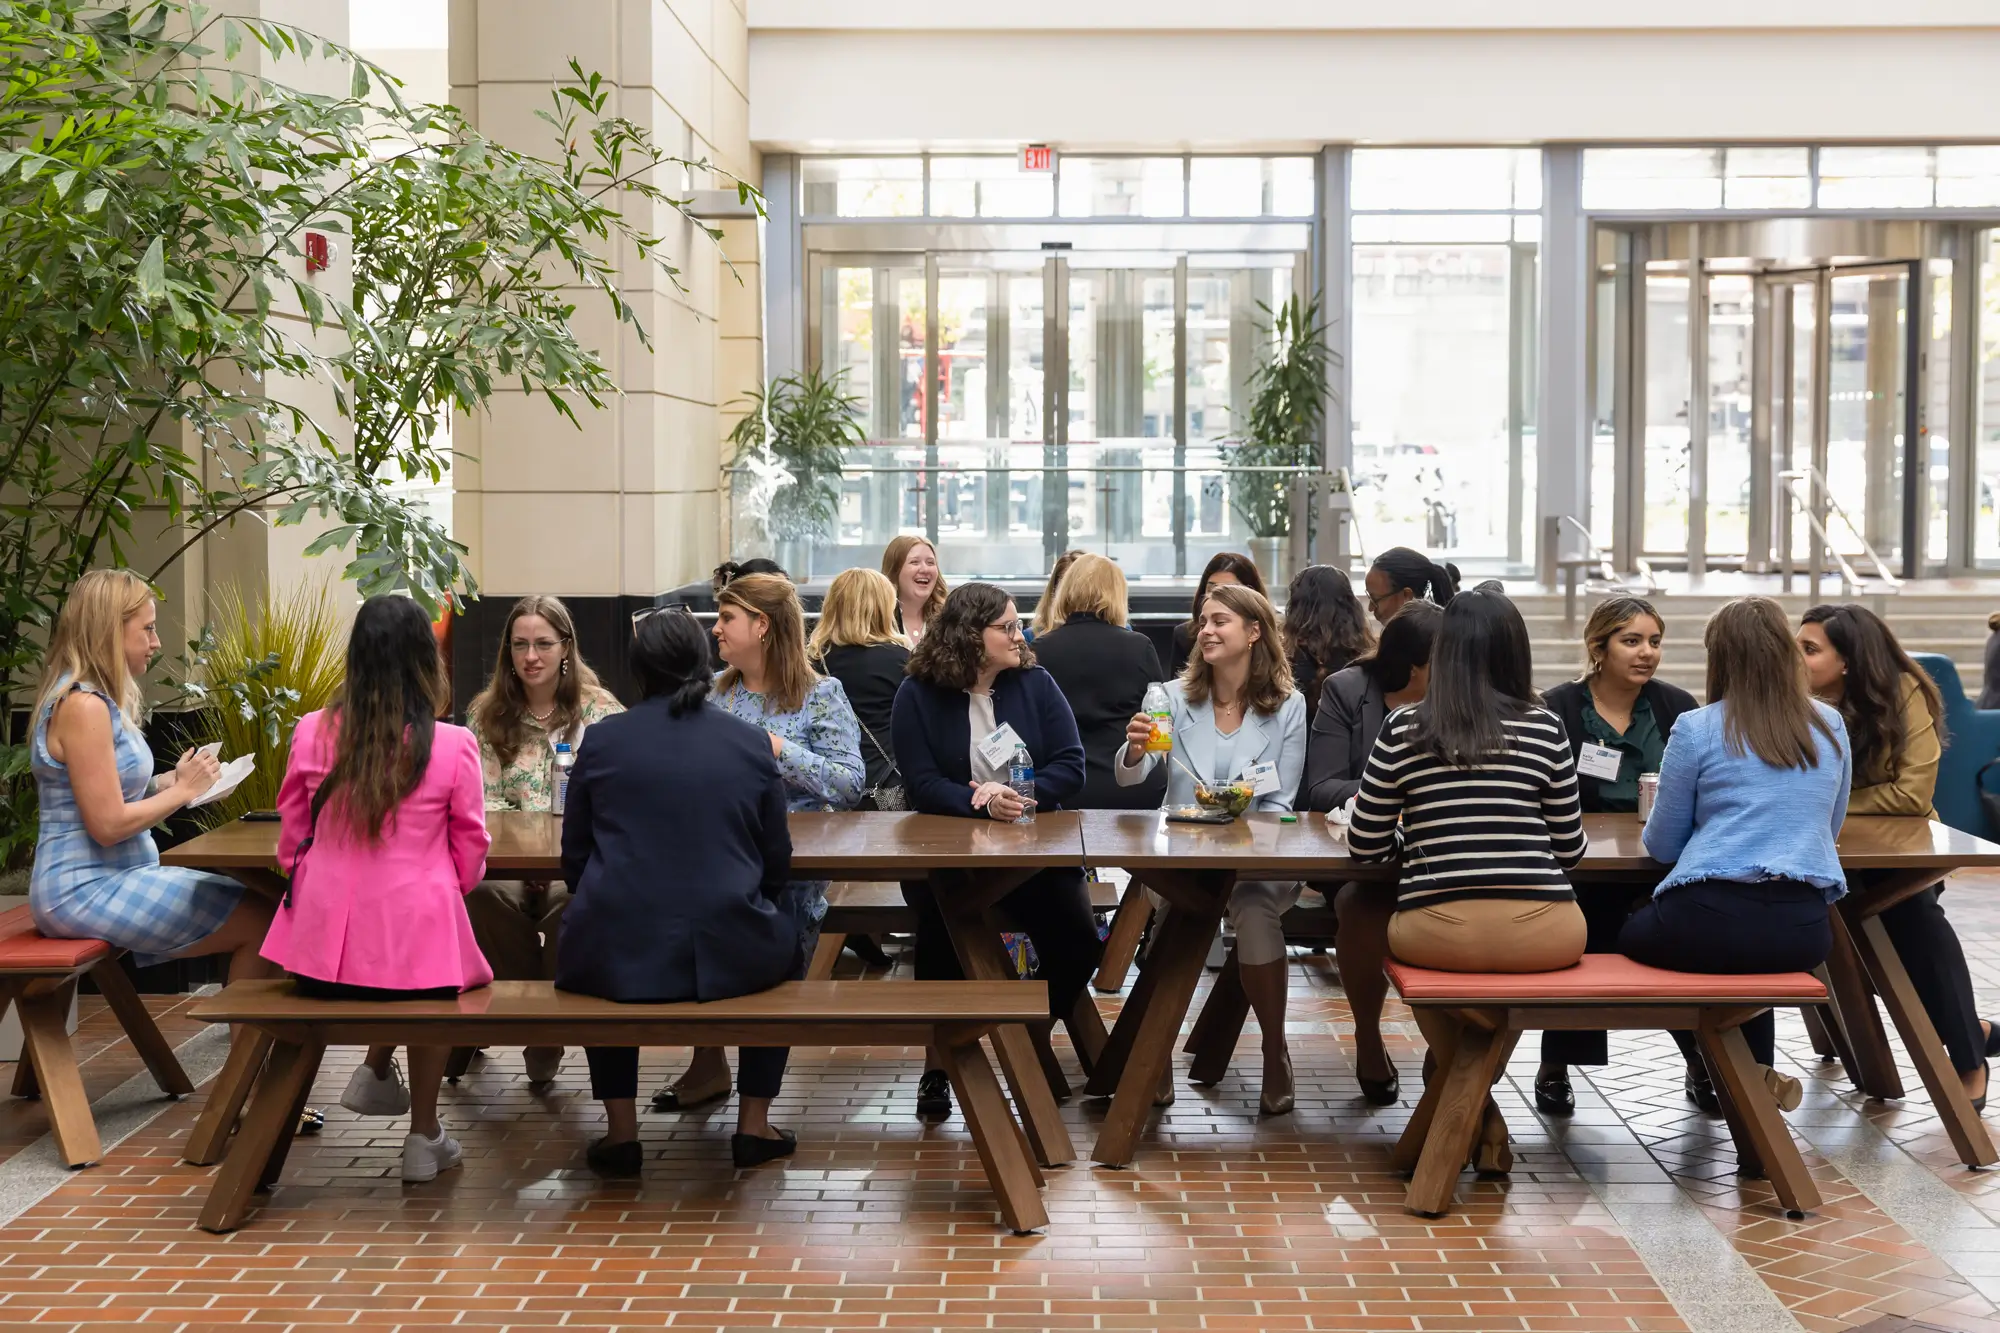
pixel 1223 568
pixel 1236 718
pixel 1618 718
pixel 1354 703
pixel 768 682
pixel 542 694
pixel 1895 721
pixel 911 564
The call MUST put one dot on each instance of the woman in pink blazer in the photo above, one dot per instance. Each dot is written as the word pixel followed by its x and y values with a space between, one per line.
pixel 384 832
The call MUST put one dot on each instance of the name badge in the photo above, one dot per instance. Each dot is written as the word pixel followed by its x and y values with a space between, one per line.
pixel 1600 762
pixel 1263 779
pixel 998 746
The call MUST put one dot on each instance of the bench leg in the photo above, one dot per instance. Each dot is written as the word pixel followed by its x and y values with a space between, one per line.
pixel 1087 1032
pixel 24 1084
pixel 1043 1037
pixel 458 1062
pixel 209 1138
pixel 1464 1077
pixel 1217 1029
pixel 1860 1024
pixel 1892 980
pixel 999 1140
pixel 123 998
pixel 1825 1038
pixel 1128 927
pixel 1739 1080
pixel 1174 970
pixel 278 1092
pixel 45 1039
pixel 825 954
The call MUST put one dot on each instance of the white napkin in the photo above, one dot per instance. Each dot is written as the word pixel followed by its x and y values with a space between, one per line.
pixel 227 781
pixel 1343 815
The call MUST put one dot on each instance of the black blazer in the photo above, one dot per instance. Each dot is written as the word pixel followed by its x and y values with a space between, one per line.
pixel 1344 728
pixel 1103 671
pixel 871 674
pixel 675 845
pixel 1566 702
pixel 934 741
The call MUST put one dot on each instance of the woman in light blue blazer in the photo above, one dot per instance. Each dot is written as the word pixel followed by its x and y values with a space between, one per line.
pixel 1236 716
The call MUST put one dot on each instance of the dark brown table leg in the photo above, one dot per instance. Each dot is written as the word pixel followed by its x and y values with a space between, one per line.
pixel 1860 1024
pixel 1128 927
pixel 279 1092
pixel 209 1139
pixel 1087 1033
pixel 1179 950
pixel 1219 1026
pixel 999 1141
pixel 1892 981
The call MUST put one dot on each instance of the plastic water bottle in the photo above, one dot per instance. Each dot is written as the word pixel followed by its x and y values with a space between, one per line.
pixel 565 761
pixel 1161 710
pixel 1021 777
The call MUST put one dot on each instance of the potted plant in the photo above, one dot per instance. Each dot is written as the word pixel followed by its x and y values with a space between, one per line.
pixel 1281 429
pixel 801 423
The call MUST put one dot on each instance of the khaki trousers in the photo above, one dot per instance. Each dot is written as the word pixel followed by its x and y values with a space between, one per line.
pixel 1489 935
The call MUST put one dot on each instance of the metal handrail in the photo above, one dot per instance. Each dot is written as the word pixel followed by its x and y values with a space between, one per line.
pixel 738 470
pixel 1792 477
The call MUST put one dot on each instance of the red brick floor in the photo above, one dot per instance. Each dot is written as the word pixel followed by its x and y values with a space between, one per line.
pixel 1226 1220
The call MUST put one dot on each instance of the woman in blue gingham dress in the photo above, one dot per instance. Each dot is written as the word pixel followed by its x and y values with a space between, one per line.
pixel 121 893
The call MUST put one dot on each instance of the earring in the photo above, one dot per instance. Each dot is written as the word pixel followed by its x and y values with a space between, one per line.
pixel 563 670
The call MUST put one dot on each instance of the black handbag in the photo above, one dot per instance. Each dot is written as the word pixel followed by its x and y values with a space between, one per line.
pixel 892 795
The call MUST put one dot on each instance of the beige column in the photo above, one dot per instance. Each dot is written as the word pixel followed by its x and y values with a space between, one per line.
pixel 630 505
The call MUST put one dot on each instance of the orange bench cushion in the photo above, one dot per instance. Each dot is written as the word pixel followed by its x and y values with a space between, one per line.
pixel 25 949
pixel 1600 977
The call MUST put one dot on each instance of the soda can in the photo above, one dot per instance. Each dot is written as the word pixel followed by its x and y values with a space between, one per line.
pixel 1649 788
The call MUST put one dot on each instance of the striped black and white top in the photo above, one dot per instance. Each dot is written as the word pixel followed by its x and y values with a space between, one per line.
pixel 1507 828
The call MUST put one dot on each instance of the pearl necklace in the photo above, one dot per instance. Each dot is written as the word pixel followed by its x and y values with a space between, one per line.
pixel 541 719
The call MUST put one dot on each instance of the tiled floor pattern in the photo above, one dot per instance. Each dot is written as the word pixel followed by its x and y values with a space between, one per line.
pixel 1626 1217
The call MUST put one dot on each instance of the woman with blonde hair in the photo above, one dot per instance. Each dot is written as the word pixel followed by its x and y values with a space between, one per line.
pixel 97 874
pixel 1046 618
pixel 542 694
pixel 769 682
pixel 1103 669
pixel 911 563
pixel 1237 718
pixel 857 643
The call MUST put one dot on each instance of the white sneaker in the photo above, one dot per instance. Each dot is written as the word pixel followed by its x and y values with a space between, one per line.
pixel 423 1158
pixel 368 1095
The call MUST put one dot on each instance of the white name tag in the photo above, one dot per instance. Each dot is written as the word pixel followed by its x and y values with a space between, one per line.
pixel 1600 762
pixel 1263 779
pixel 998 746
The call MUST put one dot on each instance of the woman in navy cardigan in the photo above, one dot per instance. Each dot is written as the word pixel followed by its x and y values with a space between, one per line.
pixel 972 680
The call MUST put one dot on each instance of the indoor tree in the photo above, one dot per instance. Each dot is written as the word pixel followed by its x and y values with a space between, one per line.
pixel 1281 428
pixel 802 423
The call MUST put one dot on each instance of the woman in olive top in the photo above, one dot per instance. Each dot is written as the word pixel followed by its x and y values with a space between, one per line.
pixel 1895 722
pixel 1618 718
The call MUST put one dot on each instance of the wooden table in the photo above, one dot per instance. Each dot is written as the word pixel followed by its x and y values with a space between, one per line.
pixel 1195 866
pixel 971 864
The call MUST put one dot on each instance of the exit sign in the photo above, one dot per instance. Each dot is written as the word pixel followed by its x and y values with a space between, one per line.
pixel 1038 157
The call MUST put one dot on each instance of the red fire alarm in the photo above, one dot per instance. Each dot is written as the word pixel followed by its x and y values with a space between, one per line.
pixel 316 251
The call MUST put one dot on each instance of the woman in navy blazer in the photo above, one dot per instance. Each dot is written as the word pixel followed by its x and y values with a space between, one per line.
pixel 676 847
pixel 972 677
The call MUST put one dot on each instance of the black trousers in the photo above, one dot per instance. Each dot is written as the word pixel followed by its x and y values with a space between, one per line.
pixel 1053 909
pixel 312 988
pixel 1935 960
pixel 1721 926
pixel 1605 907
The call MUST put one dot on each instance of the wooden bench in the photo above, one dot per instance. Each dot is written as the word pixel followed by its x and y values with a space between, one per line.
pixel 38 976
pixel 1491 1010
pixel 949 1015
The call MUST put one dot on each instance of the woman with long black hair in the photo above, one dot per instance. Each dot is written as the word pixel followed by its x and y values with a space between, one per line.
pixel 1400 575
pixel 1223 567
pixel 1895 722
pixel 1325 629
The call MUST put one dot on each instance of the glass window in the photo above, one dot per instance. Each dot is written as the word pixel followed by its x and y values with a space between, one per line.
pixel 989 187
pixel 1445 178
pixel 864 187
pixel 1430 228
pixel 1968 177
pixel 1248 187
pixel 1986 404
pixel 1875 177
pixel 1767 178
pixel 1652 178
pixel 1109 187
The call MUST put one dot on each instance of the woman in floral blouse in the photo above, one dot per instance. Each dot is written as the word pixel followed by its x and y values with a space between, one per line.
pixel 542 692
pixel 760 633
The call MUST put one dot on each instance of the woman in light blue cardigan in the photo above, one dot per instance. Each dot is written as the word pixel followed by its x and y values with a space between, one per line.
pixel 1236 716
pixel 1753 790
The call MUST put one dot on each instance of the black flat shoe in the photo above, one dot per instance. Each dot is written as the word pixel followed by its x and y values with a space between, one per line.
pixel 1992 1037
pixel 615 1161
pixel 1702 1093
pixel 1979 1102
pixel 1555 1096
pixel 934 1095
pixel 1380 1091
pixel 748 1150
pixel 671 1098
pixel 868 950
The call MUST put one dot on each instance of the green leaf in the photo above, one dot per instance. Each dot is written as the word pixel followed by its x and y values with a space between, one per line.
pixel 151 276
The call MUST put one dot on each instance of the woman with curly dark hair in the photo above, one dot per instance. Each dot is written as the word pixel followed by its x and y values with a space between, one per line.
pixel 1325 629
pixel 973 694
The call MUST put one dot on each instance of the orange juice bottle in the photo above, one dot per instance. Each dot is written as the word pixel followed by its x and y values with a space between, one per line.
pixel 1161 711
